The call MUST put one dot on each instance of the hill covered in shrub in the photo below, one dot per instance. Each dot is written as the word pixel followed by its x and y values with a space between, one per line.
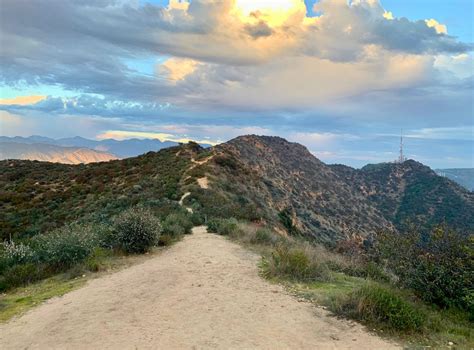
pixel 255 178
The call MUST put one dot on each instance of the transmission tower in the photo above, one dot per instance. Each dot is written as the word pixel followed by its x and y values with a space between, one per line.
pixel 401 157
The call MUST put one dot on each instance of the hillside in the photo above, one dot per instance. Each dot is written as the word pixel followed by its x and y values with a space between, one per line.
pixel 464 177
pixel 262 179
pixel 269 178
pixel 52 153
pixel 412 193
pixel 36 197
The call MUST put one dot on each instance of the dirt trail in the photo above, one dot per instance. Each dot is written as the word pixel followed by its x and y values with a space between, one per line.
pixel 204 292
pixel 203 182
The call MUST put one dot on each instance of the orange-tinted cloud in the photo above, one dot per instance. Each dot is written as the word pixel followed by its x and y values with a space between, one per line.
pixel 123 134
pixel 22 100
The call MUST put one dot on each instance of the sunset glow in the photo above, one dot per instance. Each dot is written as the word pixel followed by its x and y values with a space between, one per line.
pixel 273 12
pixel 215 69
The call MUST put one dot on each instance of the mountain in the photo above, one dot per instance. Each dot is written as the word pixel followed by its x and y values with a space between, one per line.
pixel 257 178
pixel 412 193
pixel 284 180
pixel 52 153
pixel 464 177
pixel 36 197
pixel 121 149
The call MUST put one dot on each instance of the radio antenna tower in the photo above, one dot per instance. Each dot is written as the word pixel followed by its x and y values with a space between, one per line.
pixel 401 158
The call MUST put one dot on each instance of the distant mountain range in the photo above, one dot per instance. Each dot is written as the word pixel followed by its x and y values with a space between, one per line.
pixel 77 149
pixel 120 149
pixel 464 177
pixel 52 153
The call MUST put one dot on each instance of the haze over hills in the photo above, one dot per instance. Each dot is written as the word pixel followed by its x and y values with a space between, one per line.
pixel 52 153
pixel 120 149
pixel 464 177
pixel 256 178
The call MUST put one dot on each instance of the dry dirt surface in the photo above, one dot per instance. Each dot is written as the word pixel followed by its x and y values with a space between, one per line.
pixel 202 293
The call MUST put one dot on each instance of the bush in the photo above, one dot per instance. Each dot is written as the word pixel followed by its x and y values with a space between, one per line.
pixel 177 224
pixel 104 236
pixel 65 247
pixel 197 219
pixel 213 225
pixel 286 220
pixel 380 306
pixel 296 264
pixel 136 230
pixel 21 274
pixel 376 272
pixel 165 240
pixel 263 236
pixel 12 254
pixel 224 227
pixel 438 267
pixel 96 261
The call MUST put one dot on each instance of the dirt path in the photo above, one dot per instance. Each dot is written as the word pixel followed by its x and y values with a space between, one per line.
pixel 204 292
pixel 203 182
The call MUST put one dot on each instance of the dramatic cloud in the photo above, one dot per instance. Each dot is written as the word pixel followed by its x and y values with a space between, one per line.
pixel 78 44
pixel 232 67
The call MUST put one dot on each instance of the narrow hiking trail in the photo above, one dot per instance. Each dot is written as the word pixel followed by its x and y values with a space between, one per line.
pixel 204 292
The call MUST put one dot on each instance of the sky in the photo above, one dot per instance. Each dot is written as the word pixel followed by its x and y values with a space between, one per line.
pixel 344 78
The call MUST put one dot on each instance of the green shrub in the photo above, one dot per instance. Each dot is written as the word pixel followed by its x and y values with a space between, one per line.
pixel 177 224
pixel 286 220
pixel 197 219
pixel 104 236
pixel 65 247
pixel 263 236
pixel 224 227
pixel 376 272
pixel 21 274
pixel 165 240
pixel 213 225
pixel 381 306
pixel 12 253
pixel 136 230
pixel 438 267
pixel 296 264
pixel 96 261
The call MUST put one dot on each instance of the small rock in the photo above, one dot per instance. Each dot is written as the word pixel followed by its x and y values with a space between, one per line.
pixel 450 343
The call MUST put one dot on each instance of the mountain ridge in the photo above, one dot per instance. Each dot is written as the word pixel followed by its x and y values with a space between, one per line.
pixel 254 178
pixel 52 153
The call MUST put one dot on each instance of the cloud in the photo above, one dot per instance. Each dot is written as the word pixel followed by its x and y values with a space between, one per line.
pixel 320 141
pixel 123 134
pixel 440 28
pixel 448 133
pixel 85 51
pixel 461 66
pixel 22 100
pixel 178 68
pixel 223 68
pixel 388 15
